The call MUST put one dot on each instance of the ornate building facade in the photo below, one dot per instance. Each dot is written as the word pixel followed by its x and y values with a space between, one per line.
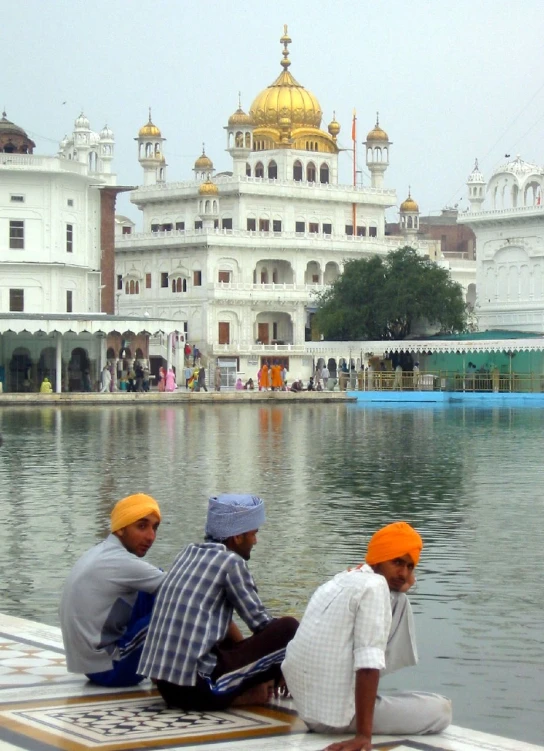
pixel 57 283
pixel 507 217
pixel 239 256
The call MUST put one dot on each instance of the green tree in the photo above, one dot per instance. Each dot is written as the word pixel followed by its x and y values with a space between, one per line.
pixel 382 298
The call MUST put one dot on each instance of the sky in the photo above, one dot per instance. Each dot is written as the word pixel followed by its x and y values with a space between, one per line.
pixel 452 81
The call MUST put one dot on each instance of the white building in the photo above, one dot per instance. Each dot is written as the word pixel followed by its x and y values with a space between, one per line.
pixel 507 218
pixel 238 256
pixel 57 259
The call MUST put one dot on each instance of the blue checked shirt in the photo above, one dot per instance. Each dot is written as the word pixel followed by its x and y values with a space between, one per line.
pixel 193 611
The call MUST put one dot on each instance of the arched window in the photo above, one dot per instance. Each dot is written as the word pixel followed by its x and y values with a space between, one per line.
pixel 149 149
pixel 132 286
pixel 311 173
pixel 239 139
pixel 324 173
pixel 248 170
pixel 297 171
pixel 137 288
pixel 248 140
pixel 127 289
pixel 259 170
pixel 272 170
pixel 178 284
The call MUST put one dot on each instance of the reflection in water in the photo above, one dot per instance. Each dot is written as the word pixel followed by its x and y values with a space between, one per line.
pixel 468 479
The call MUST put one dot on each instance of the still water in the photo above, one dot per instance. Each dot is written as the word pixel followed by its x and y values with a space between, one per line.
pixel 469 479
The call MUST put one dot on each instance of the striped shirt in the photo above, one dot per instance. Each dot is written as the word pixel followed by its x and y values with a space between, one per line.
pixel 193 611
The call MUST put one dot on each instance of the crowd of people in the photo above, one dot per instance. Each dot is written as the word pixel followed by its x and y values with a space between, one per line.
pixel 123 619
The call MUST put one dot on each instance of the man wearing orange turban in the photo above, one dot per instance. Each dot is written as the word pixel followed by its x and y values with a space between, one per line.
pixel 357 626
pixel 108 597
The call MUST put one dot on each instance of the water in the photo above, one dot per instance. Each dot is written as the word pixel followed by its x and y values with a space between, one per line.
pixel 469 479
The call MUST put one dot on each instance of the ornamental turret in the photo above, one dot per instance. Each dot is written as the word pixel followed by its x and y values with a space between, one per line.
pixel 239 139
pixel 476 188
pixel 377 154
pixel 150 153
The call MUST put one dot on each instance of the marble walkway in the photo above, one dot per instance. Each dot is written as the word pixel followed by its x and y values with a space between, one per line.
pixel 42 707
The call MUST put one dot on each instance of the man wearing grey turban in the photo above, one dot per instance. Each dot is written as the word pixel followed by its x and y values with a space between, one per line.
pixel 194 652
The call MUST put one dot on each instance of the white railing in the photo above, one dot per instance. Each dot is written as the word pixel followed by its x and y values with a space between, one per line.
pixel 248 287
pixel 187 236
pixel 42 163
pixel 258 348
pixel 359 191
pixel 470 215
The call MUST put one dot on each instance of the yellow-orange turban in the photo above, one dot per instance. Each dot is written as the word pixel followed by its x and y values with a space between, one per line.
pixel 130 509
pixel 395 540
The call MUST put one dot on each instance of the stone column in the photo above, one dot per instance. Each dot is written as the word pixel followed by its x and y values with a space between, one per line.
pixel 168 352
pixel 58 363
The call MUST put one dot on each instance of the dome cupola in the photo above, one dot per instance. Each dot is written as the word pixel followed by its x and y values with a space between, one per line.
pixel 285 102
pixel 82 122
pixel 13 139
pixel 377 133
pixel 149 130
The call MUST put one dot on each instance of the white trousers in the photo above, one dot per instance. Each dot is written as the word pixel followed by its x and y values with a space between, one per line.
pixel 406 713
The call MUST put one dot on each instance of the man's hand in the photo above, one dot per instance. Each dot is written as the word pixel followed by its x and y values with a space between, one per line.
pixel 359 743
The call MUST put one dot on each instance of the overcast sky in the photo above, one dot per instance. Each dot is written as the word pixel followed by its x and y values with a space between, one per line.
pixel 451 80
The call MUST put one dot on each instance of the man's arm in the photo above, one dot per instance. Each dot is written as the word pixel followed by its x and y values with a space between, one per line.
pixel 366 690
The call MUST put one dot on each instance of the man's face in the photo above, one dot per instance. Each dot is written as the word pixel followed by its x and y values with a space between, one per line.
pixel 139 536
pixel 399 573
pixel 243 544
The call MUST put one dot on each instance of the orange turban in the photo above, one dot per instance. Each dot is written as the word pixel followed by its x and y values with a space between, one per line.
pixel 130 509
pixel 393 541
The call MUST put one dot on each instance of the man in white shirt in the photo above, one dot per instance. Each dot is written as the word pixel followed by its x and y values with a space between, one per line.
pixel 356 626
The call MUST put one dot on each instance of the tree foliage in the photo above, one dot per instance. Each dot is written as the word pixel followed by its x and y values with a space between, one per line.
pixel 382 298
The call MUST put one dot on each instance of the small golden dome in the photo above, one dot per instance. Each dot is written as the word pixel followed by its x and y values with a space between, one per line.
pixel 208 189
pixel 334 126
pixel 149 130
pixel 203 161
pixel 240 118
pixel 409 204
pixel 377 133
pixel 285 98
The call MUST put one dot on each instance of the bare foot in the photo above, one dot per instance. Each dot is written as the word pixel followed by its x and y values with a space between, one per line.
pixel 257 695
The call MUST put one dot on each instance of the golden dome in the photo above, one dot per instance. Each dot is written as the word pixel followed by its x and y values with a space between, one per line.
pixel 240 117
pixel 285 103
pixel 149 130
pixel 208 189
pixel 334 126
pixel 377 133
pixel 203 161
pixel 409 204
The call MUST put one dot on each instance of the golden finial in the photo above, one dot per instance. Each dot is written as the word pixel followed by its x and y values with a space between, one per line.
pixel 377 119
pixel 285 40
pixel 409 191
pixel 239 100
pixel 203 149
pixel 150 114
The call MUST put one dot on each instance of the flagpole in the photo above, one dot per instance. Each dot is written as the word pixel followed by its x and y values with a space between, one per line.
pixel 354 139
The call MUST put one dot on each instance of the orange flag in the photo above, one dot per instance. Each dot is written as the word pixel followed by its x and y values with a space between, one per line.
pixel 354 127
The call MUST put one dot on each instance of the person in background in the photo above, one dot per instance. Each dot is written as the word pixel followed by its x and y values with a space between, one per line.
pixel 170 384
pixel 357 625
pixel 46 387
pixel 193 651
pixel 217 378
pixel 415 376
pixel 249 385
pixel 202 379
pixel 162 379
pixel 108 597
pixel 105 380
pixel 325 374
pixel 145 379
pixel 239 385
pixel 311 385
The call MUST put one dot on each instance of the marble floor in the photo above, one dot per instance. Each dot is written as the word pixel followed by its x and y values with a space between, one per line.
pixel 42 708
